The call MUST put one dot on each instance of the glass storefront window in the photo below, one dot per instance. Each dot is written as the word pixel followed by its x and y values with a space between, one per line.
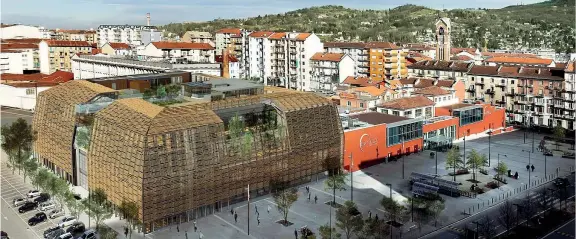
pixel 406 132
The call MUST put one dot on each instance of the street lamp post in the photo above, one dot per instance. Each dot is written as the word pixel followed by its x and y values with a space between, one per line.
pixel 436 154
pixel 351 178
pixel 545 171
pixel 520 207
pixel 489 155
pixel 464 148
pixel 498 167
pixel 390 187
pixel 402 151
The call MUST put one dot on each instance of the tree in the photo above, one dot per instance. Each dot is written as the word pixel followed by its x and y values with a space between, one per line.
pixel 96 211
pixel 173 90
pixel 130 211
pixel 349 219
pixel 396 212
pixel 501 169
pixel 284 196
pixel 57 187
pixel 528 209
pixel 374 229
pixel 74 206
pixel 16 139
pixel 453 159
pixel 99 196
pixel 435 208
pixel 327 233
pixel 148 93
pixel 476 160
pixel 20 159
pixel 507 217
pixel 487 227
pixel 335 181
pixel 41 178
pixel 161 92
pixel 559 134
pixel 30 167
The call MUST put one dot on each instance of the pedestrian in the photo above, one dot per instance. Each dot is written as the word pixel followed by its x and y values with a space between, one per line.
pixel 231 211
pixel 376 217
pixel 235 217
pixel 177 228
pixel 126 231
pixel 308 197
pixel 532 167
pixel 528 167
pixel 186 233
pixel 258 219
pixel 257 214
pixel 516 175
pixel 369 214
pixel 296 233
pixel 195 228
pixel 315 199
pixel 256 207
pixel 268 209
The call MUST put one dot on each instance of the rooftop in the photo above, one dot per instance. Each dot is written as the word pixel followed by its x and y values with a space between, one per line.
pixel 376 118
pixel 361 81
pixel 323 56
pixel 520 60
pixel 182 45
pixel 68 43
pixel 139 76
pixel 226 85
pixel 407 103
pixel 432 91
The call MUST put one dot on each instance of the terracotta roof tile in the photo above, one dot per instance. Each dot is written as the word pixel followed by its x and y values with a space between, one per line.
pixel 219 58
pixel 462 58
pixel 6 77
pixel 349 45
pixel 232 31
pixel 494 54
pixel 455 50
pixel 96 51
pixel 360 81
pixel 322 56
pixel 539 73
pixel 384 45
pixel 520 60
pixel 424 83
pixel 277 35
pixel 407 103
pixel 10 50
pixel 560 65
pixel 445 83
pixel 372 90
pixel 508 71
pixel 19 46
pixel 441 65
pixel 68 43
pixel 461 66
pixel 484 70
pixel 408 81
pixel 302 36
pixel 119 45
pixel 261 34
pixel 570 66
pixel 23 40
pixel 432 90
pixel 182 45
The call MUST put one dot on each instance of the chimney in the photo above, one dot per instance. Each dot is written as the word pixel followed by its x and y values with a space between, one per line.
pixel 225 64
pixel 147 19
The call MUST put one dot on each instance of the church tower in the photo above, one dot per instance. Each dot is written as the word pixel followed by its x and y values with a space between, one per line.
pixel 443 42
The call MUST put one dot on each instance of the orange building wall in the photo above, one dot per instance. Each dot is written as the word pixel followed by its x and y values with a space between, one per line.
pixel 440 125
pixel 440 111
pixel 493 119
pixel 460 88
pixel 373 142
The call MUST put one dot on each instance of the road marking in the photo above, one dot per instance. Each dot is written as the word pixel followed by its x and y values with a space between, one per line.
pixel 234 226
pixel 571 221
pixel 24 221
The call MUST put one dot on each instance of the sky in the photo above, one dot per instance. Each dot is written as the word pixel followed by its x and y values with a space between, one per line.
pixel 85 14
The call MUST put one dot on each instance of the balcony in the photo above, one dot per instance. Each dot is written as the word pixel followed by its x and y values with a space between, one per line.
pixel 500 102
pixel 479 83
pixel 490 92
pixel 471 89
pixel 539 96
pixel 511 94
pixel 500 84
pixel 520 102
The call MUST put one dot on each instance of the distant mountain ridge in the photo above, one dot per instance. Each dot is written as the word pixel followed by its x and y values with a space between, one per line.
pixel 548 24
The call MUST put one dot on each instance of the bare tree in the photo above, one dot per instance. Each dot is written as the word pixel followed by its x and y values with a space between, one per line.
pixel 487 227
pixel 529 209
pixel 507 217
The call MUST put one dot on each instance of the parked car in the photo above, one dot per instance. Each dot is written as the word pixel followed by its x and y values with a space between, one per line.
pixel 66 236
pixel 45 206
pixel 43 197
pixel 33 193
pixel 90 234
pixel 56 233
pixel 67 221
pixel 19 201
pixel 561 182
pixel 28 206
pixel 50 230
pixel 56 212
pixel 77 227
pixel 38 218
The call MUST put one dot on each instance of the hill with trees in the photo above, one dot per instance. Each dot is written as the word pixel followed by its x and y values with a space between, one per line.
pixel 547 24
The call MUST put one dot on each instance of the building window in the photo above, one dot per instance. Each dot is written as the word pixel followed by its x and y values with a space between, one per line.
pixel 470 116
pixel 31 91
pixel 361 105
pixel 397 113
pixel 418 112
pixel 403 133
pixel 349 103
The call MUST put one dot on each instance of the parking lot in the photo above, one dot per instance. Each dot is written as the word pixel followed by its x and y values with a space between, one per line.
pixel 13 186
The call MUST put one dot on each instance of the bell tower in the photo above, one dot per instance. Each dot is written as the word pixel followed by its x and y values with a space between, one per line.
pixel 443 41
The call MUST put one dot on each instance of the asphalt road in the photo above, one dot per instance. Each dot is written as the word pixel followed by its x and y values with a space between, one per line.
pixel 565 231
pixel 457 230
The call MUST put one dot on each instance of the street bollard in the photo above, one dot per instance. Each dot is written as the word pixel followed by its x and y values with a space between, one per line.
pixel 492 200
pixel 469 211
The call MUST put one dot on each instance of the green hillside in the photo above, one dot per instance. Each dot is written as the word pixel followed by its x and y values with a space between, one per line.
pixel 546 24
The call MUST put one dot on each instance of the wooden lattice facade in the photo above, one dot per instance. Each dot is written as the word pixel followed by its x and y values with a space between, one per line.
pixel 54 122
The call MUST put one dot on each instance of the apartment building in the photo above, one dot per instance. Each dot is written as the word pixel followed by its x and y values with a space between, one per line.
pixel 129 34
pixel 440 69
pixel 20 90
pixel 233 66
pixel 57 55
pixel 22 32
pixel 519 61
pixel 441 97
pixel 364 98
pixel 116 49
pixel 411 107
pixel 198 37
pixel 330 70
pixel 567 119
pixel 90 36
pixel 282 58
pixel 179 52
pixel 234 38
pixel 356 50
pixel 21 57
pixel 387 61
